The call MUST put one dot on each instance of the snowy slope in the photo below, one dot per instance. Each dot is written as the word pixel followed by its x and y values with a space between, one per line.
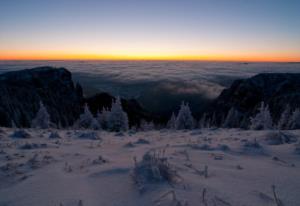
pixel 94 168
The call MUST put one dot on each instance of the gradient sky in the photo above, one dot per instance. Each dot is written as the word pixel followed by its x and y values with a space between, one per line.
pixel 259 30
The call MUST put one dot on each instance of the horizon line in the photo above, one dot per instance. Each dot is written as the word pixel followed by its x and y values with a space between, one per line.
pixel 159 59
pixel 145 57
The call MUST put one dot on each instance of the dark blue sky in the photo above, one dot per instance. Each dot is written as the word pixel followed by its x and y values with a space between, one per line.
pixel 140 28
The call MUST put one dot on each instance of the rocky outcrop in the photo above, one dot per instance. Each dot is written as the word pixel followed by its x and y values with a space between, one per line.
pixel 21 92
pixel 244 96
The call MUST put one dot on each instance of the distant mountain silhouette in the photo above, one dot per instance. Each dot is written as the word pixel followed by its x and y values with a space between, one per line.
pixel 21 91
pixel 276 89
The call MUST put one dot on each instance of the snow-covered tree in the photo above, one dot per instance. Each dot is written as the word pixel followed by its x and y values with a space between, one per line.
pixel 232 119
pixel 98 119
pixel 203 121
pixel 283 122
pixel 213 120
pixel 42 118
pixel 87 120
pixel 117 119
pixel 295 120
pixel 262 120
pixel 13 124
pixel 102 118
pixel 172 122
pixel 184 118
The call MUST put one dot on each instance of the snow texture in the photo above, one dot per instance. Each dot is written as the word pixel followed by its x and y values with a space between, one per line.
pixel 170 167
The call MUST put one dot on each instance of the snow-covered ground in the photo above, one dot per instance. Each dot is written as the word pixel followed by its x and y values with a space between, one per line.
pixel 95 168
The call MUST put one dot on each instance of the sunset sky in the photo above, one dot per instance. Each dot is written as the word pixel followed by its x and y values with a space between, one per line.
pixel 239 30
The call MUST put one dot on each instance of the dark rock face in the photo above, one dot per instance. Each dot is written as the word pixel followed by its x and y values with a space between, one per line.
pixel 133 109
pixel 275 89
pixel 21 92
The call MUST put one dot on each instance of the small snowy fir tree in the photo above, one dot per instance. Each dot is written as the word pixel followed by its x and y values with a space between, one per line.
pixel 295 120
pixel 98 119
pixel 262 119
pixel 232 119
pixel 87 120
pixel 184 118
pixel 213 121
pixel 13 125
pixel 204 121
pixel 117 119
pixel 102 118
pixel 172 122
pixel 42 118
pixel 283 122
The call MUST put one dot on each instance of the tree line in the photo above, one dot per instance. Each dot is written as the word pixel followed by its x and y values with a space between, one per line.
pixel 116 119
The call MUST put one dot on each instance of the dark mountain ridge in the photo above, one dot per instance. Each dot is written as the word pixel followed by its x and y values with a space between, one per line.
pixel 21 91
pixel 275 89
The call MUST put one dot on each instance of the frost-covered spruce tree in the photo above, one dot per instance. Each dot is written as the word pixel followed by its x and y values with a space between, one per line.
pixel 283 122
pixel 98 119
pixel 13 125
pixel 262 120
pixel 117 119
pixel 172 122
pixel 87 120
pixel 42 118
pixel 295 120
pixel 232 119
pixel 268 121
pixel 184 118
pixel 102 118
pixel 203 122
pixel 213 120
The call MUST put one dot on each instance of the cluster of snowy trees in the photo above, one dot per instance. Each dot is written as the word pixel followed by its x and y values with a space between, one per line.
pixel 260 121
pixel 263 119
pixel 183 120
pixel 289 119
pixel 116 119
pixel 113 120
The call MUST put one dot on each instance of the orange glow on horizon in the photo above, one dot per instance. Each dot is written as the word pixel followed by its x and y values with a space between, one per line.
pixel 210 57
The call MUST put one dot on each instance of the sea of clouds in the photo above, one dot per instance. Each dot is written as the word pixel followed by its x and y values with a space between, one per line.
pixel 159 86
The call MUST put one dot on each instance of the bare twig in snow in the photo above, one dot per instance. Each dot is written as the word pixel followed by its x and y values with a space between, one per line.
pixel 222 201
pixel 206 171
pixel 187 156
pixel 204 201
pixel 174 199
pixel 277 200
pixel 80 203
